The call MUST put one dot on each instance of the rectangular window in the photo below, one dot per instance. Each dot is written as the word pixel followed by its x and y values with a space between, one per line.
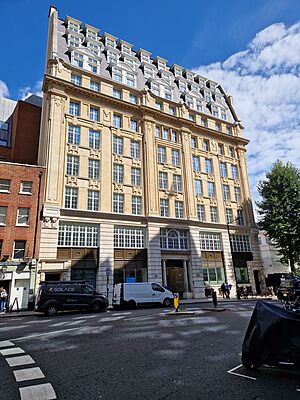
pixel 174 239
pixel 78 235
pixel 205 145
pixel 72 165
pixel 135 149
pixel 136 205
pixel 117 94
pixel 117 123
pixel 166 133
pixel 177 183
pixel 213 214
pixel 93 200
pixel 76 79
pixel 133 99
pixel 135 176
pixel 178 209
pixel 94 114
pixel 163 180
pixel 74 108
pixel 198 187
pixel 130 81
pixel 19 249
pixel 229 130
pixel 116 74
pixel 94 86
pixel 199 105
pixel 164 207
pixel 218 127
pixel 71 197
pixel 94 139
pixel 226 192
pixel 192 117
pixel 129 237
pixel 234 172
pixel 118 145
pixel 73 134
pixel 220 149
pixel 174 136
pixel 3 211
pixel 161 155
pixel 26 188
pixel 229 215
pixel 237 194
pixel 223 169
pixel 5 185
pixel 240 243
pixel 231 152
pixel 223 114
pixel 208 166
pixel 158 106
pixel 196 163
pixel 172 111
pixel 157 131
pixel 175 158
pixel 203 122
pixel 211 189
pixel 4 133
pixel 94 169
pixel 133 125
pixel 210 241
pixel 240 216
pixel 168 94
pixel 23 216
pixel 193 142
pixel 201 212
pixel 118 203
pixel 118 173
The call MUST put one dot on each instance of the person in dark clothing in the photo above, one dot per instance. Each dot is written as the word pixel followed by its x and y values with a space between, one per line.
pixel 223 290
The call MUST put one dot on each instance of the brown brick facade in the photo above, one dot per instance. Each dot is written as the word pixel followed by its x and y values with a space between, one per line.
pixel 13 200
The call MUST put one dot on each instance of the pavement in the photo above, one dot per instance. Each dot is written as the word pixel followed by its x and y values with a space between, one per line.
pixel 208 300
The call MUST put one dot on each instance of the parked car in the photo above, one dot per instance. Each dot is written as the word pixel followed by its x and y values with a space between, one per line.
pixel 69 295
pixel 134 294
pixel 289 288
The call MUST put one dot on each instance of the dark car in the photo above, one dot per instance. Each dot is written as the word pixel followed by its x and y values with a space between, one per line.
pixel 288 289
pixel 68 295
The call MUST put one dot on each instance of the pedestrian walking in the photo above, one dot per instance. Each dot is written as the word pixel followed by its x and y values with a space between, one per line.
pixel 227 290
pixel 3 299
pixel 223 290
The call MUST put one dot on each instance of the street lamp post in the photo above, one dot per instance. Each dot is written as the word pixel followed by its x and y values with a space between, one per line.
pixel 231 248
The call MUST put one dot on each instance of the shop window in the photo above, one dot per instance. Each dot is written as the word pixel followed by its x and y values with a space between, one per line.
pixel 241 274
pixel 213 267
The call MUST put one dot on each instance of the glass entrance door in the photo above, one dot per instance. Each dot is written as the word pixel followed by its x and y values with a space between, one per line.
pixel 175 276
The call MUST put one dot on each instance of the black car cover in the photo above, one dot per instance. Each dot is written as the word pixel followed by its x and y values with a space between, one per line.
pixel 273 336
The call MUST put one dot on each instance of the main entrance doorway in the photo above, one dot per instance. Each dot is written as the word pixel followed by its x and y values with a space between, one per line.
pixel 175 276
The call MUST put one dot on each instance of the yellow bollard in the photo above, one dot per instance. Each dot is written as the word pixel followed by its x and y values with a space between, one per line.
pixel 176 301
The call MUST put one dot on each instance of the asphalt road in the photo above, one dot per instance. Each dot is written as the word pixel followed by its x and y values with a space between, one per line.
pixel 140 354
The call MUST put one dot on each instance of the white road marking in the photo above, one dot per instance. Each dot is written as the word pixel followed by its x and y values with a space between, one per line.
pixel 38 392
pixel 6 343
pixel 76 322
pixel 60 323
pixel 123 313
pixel 47 334
pixel 28 374
pixel 11 351
pixel 39 321
pixel 111 319
pixel 297 390
pixel 88 316
pixel 242 376
pixel 142 318
pixel 20 360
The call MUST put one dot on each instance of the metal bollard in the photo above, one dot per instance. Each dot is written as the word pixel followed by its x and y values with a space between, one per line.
pixel 176 301
pixel 214 298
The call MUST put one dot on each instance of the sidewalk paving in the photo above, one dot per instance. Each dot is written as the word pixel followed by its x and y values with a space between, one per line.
pixel 207 300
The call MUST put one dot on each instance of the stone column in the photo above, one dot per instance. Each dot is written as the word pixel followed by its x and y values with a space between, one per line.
pixel 186 279
pixel 164 269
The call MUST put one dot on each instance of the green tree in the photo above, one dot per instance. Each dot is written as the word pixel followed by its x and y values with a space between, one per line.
pixel 279 210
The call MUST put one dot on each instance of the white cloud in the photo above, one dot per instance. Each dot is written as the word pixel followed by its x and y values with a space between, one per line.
pixel 3 89
pixel 264 81
pixel 28 90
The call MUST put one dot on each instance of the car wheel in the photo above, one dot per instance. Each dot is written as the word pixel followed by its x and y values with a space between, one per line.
pixel 51 310
pixel 97 307
pixel 131 304
pixel 167 302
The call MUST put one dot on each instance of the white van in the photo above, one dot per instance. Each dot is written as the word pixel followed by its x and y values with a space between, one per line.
pixel 133 294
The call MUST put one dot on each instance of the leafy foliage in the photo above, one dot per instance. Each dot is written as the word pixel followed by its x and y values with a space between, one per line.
pixel 280 210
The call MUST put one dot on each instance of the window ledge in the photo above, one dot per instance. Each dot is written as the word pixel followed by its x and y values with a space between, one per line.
pixel 2 225
pixel 22 225
pixel 26 194
pixel 4 191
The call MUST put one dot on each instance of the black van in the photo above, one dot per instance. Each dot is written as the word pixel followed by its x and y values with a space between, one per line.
pixel 68 295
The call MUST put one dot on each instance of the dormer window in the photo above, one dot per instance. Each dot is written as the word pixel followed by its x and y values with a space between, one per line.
pixel 121 75
pixel 189 75
pixel 148 72
pixel 130 81
pixel 155 88
pixel 117 74
pixel 215 111
pixel 168 94
pixel 126 50
pixel 223 114
pixel 161 65
pixel 145 58
pixel 199 106
pixel 177 72
pixel 77 59
pixel 110 42
pixel 91 34
pixel 129 61
pixel 189 101
pixel 218 98
pixel 166 76
pixel 182 87
pixel 94 48
pixel 112 57
pixel 194 87
pixel 74 41
pixel 72 26
pixel 92 65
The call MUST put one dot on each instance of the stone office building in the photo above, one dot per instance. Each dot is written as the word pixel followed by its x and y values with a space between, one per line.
pixel 145 167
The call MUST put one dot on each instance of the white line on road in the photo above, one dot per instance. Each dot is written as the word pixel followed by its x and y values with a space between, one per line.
pixel 28 374
pixel 6 343
pixel 142 317
pixel 11 351
pixel 38 392
pixel 47 334
pixel 242 376
pixel 21 360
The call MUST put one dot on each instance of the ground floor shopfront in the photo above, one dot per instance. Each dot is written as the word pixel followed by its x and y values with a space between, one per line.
pixel 187 258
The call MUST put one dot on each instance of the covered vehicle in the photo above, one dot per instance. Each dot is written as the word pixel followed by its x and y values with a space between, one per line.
pixel 288 288
pixel 272 337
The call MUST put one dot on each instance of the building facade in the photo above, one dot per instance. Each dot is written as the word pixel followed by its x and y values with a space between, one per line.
pixel 21 199
pixel 145 167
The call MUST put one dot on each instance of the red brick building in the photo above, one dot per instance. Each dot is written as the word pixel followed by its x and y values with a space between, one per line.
pixel 21 199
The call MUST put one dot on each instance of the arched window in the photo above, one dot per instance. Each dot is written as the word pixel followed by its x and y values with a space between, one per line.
pixel 174 239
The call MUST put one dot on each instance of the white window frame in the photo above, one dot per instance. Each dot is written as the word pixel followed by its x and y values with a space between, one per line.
pixel 78 235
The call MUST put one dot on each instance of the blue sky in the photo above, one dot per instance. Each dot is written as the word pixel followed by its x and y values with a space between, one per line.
pixel 251 47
